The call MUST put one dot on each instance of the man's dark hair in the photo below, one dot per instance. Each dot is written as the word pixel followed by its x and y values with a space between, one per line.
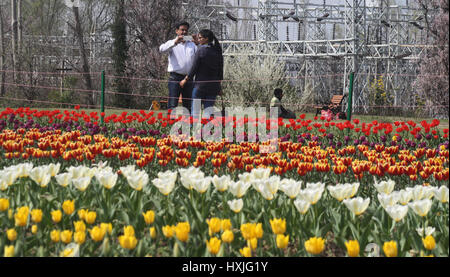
pixel 182 23
pixel 277 92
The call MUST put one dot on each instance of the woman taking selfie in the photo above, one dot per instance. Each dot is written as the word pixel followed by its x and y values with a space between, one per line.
pixel 207 69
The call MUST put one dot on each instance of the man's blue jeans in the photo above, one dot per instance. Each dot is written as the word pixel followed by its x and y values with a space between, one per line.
pixel 175 90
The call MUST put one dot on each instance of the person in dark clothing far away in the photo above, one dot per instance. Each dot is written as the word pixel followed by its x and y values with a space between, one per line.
pixel 181 52
pixel 207 69
pixel 276 102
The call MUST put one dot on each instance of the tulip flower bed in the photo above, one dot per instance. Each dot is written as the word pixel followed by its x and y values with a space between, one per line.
pixel 71 186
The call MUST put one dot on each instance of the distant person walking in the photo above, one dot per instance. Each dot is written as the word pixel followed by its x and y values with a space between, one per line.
pixel 181 57
pixel 208 72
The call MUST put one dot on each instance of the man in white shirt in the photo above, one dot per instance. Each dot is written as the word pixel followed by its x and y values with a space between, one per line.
pixel 181 56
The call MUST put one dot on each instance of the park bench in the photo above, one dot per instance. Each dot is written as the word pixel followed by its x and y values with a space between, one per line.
pixel 335 104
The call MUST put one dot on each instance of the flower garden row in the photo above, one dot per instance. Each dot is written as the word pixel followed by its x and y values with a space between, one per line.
pixel 127 188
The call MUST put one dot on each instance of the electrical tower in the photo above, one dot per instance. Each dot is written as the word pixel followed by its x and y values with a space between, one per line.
pixel 366 37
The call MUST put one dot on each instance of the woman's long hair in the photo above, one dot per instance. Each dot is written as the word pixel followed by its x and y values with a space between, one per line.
pixel 206 33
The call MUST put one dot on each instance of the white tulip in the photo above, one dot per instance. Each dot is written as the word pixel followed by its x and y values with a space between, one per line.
pixel 355 187
pixel 260 173
pixel 81 183
pixel 186 172
pixel 187 178
pixel 64 179
pixel 53 169
pixel 357 205
pixel 106 178
pixel 441 194
pixel 71 250
pixel 239 188
pixel 8 177
pixel 236 205
pixel 318 185
pixel 246 177
pixel 420 192
pixel 40 175
pixel 24 169
pixel 164 186
pixel 127 170
pixel 387 200
pixel 290 187
pixel 427 232
pixel 273 183
pixel 169 174
pixel 202 185
pixel 385 186
pixel 80 171
pixel 138 180
pixel 397 212
pixel 421 207
pixel 221 183
pixel 404 196
pixel 311 195
pixel 301 205
pixel 264 190
pixel 341 191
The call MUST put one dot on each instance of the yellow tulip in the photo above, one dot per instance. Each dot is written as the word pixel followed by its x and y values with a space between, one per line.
pixel 252 243
pixel 20 218
pixel 278 226
pixel 282 241
pixel 168 231
pixel 55 235
pixel 56 216
pixel 215 224
pixel 36 215
pixel 428 242
pixel 79 226
pixel 107 227
pixel 4 204
pixel 82 214
pixel 97 233
pixel 90 217
pixel 390 249
pixel 213 245
pixel 8 251
pixel 246 252
pixel 227 236
pixel 315 245
pixel 153 232
pixel 248 230
pixel 34 229
pixel 128 231
pixel 182 231
pixel 352 248
pixel 66 236
pixel 258 230
pixel 128 242
pixel 68 207
pixel 11 234
pixel 149 217
pixel 79 237
pixel 226 224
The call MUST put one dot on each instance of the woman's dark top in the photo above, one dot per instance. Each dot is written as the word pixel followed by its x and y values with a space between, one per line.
pixel 207 66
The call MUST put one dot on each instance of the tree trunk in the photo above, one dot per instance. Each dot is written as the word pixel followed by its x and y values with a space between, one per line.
pixel 14 35
pixel 85 62
pixel 2 54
